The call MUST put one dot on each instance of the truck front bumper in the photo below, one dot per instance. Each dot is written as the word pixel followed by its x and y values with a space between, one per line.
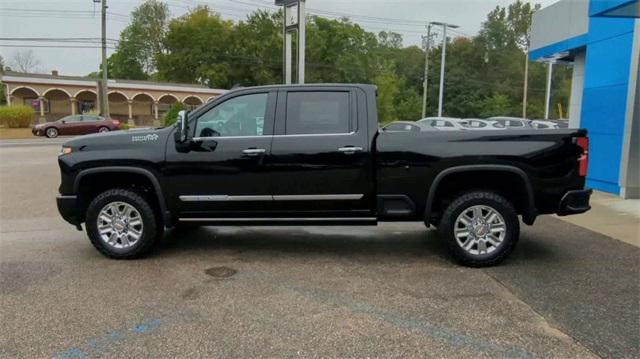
pixel 574 202
pixel 68 208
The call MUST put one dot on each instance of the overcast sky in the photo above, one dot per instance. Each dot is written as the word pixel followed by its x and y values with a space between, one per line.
pixel 81 19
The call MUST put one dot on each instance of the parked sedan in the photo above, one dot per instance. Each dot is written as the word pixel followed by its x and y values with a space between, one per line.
pixel 478 124
pixel 76 125
pixel 544 124
pixel 402 126
pixel 512 122
pixel 442 123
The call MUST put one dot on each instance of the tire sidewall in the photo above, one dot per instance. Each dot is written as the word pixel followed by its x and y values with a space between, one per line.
pixel 103 129
pixel 499 204
pixel 147 215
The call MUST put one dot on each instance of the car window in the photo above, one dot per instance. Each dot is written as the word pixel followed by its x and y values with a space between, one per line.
pixel 317 113
pixel 478 124
pixel 514 123
pixel 448 124
pixel 73 118
pixel 394 127
pixel 88 118
pixel 239 116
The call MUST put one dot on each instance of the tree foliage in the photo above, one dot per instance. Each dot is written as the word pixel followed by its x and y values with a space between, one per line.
pixel 484 73
pixel 141 42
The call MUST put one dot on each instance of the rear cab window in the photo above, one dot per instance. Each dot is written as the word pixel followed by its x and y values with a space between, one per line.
pixel 318 112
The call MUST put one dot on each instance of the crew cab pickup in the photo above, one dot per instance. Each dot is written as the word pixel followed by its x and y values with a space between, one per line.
pixel 314 155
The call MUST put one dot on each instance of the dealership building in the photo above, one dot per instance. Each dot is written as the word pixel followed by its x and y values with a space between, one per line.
pixel 601 40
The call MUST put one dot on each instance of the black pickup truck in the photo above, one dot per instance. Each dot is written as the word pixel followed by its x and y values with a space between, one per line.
pixel 314 155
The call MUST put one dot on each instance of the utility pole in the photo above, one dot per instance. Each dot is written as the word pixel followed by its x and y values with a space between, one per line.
pixel 425 83
pixel 526 82
pixel 442 62
pixel 547 104
pixel 104 96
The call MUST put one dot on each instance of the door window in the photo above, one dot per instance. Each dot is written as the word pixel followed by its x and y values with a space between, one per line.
pixel 240 116
pixel 317 113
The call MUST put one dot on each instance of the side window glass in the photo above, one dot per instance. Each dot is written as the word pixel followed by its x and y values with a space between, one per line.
pixel 317 113
pixel 240 116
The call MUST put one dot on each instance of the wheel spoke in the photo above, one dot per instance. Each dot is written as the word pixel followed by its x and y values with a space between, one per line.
pixel 469 243
pixel 125 240
pixel 497 228
pixel 462 233
pixel 493 240
pixel 482 247
pixel 491 216
pixel 477 212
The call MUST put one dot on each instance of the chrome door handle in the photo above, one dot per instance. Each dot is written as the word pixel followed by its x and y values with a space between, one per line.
pixel 253 151
pixel 350 150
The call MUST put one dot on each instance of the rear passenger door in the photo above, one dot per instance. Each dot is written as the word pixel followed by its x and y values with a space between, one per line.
pixel 321 162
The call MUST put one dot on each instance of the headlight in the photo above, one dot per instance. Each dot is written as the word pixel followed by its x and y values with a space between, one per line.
pixel 64 151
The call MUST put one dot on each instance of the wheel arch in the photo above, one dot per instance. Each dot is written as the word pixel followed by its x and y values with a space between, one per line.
pixel 113 170
pixel 528 207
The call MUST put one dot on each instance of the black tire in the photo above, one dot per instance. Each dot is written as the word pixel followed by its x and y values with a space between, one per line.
pixel 51 132
pixel 103 129
pixel 152 225
pixel 480 198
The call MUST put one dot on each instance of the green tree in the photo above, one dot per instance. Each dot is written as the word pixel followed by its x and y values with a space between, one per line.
pixel 141 42
pixel 198 49
pixel 172 115
pixel 387 82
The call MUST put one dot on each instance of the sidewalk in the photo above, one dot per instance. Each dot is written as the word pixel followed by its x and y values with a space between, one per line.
pixel 612 216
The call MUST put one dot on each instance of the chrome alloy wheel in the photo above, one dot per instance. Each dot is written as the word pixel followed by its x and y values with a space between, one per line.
pixel 479 230
pixel 120 225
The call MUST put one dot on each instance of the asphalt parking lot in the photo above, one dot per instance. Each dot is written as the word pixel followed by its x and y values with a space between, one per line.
pixel 387 291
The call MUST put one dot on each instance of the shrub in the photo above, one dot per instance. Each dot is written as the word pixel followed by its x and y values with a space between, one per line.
pixel 16 116
pixel 172 115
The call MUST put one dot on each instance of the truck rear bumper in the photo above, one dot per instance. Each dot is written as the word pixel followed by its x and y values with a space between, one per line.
pixel 67 206
pixel 574 202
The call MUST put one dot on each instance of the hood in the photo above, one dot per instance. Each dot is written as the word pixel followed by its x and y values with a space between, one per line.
pixel 120 139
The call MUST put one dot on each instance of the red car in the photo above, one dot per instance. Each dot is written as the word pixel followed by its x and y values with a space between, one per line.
pixel 76 125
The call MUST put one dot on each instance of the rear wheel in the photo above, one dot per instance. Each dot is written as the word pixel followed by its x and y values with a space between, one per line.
pixel 481 228
pixel 103 129
pixel 51 132
pixel 121 224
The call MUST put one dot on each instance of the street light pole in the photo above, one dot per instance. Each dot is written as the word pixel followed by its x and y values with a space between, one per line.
pixel 547 103
pixel 442 62
pixel 425 83
pixel 526 83
pixel 103 85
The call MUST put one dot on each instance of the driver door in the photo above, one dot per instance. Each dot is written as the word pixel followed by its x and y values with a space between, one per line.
pixel 224 174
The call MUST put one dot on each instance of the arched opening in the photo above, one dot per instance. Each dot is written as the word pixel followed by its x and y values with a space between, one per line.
pixel 118 106
pixel 57 104
pixel 192 102
pixel 26 96
pixel 86 101
pixel 164 104
pixel 142 108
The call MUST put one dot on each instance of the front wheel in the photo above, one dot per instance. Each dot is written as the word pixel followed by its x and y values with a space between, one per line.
pixel 122 225
pixel 481 228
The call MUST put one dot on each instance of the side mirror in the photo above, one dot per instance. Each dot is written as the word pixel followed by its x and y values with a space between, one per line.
pixel 182 128
pixel 63 121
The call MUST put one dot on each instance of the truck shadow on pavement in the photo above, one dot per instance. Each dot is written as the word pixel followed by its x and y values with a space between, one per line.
pixel 269 243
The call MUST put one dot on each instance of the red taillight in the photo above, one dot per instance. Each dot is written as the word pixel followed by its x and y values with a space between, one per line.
pixel 115 122
pixel 583 160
